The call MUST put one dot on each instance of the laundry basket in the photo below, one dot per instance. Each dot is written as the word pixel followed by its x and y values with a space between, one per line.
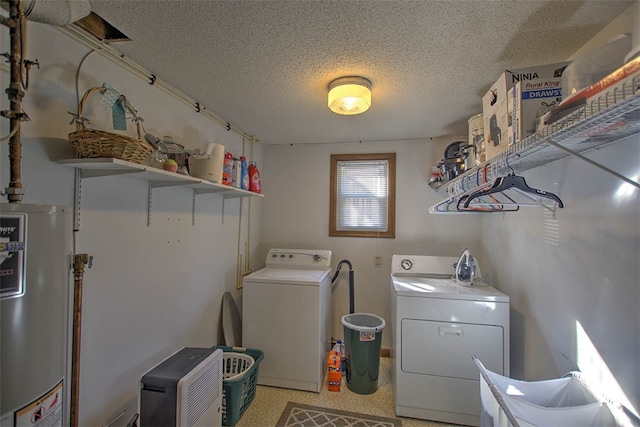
pixel 235 365
pixel 240 377
pixel 567 401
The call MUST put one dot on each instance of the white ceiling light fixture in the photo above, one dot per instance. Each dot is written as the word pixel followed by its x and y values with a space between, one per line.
pixel 350 95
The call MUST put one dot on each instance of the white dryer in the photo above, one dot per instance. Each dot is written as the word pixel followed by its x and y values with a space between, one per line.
pixel 286 313
pixel 437 326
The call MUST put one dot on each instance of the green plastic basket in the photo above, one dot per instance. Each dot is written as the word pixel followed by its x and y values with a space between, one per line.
pixel 237 394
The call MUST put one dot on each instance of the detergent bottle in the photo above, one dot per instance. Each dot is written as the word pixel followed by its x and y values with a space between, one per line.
pixel 227 168
pixel 334 375
pixel 244 173
pixel 254 178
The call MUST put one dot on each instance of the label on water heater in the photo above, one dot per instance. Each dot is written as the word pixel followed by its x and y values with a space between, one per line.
pixel 44 410
pixel 12 254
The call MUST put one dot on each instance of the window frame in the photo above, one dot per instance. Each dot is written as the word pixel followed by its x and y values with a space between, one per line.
pixel 391 195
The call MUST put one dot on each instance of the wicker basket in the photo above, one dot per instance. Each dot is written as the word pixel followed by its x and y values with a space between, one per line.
pixel 92 143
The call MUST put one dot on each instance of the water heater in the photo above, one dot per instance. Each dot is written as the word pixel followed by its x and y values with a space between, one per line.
pixel 36 248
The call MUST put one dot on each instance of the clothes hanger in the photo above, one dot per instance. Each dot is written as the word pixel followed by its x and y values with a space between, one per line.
pixel 449 207
pixel 511 181
pixel 494 205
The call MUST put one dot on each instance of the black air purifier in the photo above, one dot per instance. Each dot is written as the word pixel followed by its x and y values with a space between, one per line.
pixel 183 390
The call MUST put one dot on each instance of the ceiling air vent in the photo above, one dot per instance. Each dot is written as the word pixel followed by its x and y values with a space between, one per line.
pixel 95 25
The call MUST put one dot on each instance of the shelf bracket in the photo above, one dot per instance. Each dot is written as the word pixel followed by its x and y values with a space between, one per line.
pixel 96 173
pixel 594 163
pixel 162 184
pixel 193 208
pixel 213 191
pixel 224 199
pixel 159 184
pixel 149 196
pixel 76 199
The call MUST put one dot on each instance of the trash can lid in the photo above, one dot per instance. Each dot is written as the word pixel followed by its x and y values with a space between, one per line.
pixel 363 322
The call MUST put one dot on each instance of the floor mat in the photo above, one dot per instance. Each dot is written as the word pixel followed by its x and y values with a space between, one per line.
pixel 300 415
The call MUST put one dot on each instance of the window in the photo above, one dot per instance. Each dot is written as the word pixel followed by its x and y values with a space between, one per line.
pixel 363 195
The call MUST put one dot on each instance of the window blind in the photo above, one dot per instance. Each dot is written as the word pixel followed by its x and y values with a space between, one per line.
pixel 362 195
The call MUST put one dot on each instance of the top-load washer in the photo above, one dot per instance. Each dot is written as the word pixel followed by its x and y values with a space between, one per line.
pixel 437 326
pixel 286 313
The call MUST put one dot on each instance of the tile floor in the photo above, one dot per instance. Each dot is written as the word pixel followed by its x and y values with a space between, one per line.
pixel 269 402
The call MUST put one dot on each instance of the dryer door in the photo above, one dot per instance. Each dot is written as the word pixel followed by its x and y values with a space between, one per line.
pixel 445 349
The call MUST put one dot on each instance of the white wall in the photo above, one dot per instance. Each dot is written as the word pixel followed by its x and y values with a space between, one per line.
pixel 590 274
pixel 583 284
pixel 295 214
pixel 575 298
pixel 151 290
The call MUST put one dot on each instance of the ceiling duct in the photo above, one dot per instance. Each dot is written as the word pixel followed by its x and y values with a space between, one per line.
pixel 62 13
pixel 56 12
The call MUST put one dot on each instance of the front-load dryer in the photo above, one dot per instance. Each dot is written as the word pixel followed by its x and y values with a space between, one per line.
pixel 286 313
pixel 437 326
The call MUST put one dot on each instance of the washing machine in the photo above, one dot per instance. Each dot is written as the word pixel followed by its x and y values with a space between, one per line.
pixel 286 313
pixel 437 326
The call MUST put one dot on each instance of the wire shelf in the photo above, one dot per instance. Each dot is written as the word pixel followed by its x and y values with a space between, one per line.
pixel 609 117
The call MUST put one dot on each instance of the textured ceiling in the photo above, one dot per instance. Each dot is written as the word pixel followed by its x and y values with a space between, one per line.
pixel 264 66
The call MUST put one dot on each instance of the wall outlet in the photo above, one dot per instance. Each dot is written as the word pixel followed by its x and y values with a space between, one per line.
pixel 377 261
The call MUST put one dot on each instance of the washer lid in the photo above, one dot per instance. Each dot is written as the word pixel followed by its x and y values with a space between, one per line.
pixel 288 276
pixel 429 287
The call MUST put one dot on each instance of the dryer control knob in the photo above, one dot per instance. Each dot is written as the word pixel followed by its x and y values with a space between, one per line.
pixel 406 264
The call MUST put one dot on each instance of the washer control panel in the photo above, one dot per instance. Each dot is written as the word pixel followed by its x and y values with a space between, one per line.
pixel 299 258
pixel 423 265
pixel 406 264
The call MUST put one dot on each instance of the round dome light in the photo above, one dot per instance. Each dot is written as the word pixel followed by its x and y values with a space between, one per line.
pixel 349 95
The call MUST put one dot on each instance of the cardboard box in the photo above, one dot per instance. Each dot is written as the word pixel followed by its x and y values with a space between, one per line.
pixel 494 103
pixel 527 101
pixel 334 371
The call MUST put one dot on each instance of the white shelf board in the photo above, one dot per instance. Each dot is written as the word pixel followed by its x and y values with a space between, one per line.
pixel 92 168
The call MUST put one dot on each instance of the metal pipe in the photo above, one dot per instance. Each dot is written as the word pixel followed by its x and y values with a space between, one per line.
pixel 4 20
pixel 15 94
pixel 79 261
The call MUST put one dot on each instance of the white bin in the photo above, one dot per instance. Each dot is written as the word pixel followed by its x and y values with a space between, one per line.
pixel 567 401
pixel 209 168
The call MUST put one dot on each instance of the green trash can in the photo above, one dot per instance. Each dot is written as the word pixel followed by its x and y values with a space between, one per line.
pixel 362 342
